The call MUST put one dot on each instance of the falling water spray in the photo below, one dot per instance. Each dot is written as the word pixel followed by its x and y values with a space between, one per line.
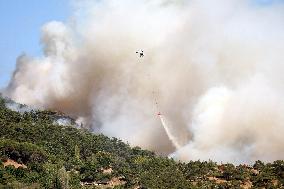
pixel 170 132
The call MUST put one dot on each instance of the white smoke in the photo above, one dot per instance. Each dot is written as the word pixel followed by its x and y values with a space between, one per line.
pixel 239 125
pixel 63 122
pixel 215 67
pixel 17 107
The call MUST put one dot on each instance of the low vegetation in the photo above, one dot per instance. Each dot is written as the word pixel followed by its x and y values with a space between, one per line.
pixel 36 152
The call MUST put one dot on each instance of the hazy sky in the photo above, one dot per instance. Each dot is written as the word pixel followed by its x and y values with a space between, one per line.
pixel 20 22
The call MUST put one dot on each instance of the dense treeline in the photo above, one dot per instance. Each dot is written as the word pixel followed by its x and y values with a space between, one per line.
pixel 36 152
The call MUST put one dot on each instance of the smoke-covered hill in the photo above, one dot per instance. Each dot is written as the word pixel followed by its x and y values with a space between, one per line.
pixel 213 68
pixel 37 152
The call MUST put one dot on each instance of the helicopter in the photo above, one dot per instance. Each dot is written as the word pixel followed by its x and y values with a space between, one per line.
pixel 141 53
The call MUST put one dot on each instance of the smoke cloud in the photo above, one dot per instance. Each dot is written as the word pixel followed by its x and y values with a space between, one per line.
pixel 213 68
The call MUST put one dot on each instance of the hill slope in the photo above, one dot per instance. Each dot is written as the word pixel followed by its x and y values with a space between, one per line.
pixel 36 151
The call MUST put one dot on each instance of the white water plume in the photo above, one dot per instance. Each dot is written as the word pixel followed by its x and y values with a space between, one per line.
pixel 175 138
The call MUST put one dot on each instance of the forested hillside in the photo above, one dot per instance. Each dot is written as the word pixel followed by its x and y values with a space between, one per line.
pixel 37 151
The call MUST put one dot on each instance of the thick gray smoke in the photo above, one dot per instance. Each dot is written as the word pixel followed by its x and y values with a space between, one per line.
pixel 214 67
